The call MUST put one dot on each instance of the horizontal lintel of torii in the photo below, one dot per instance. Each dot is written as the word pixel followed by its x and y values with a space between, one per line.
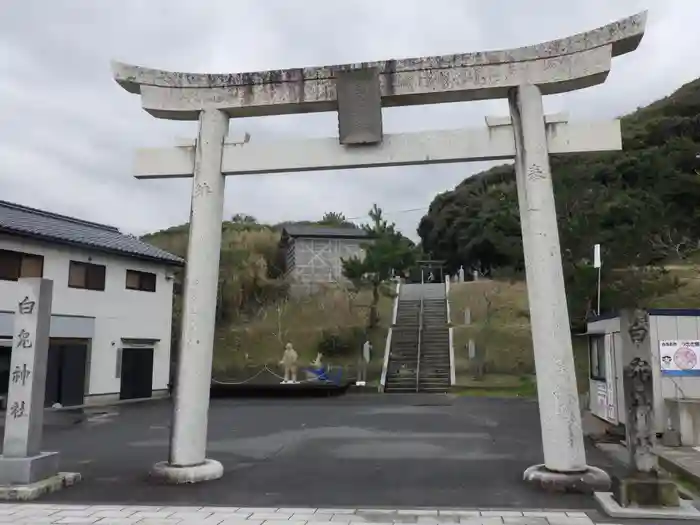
pixel 574 62
pixel 242 156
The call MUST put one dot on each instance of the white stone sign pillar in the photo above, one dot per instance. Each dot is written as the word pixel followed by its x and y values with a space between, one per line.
pixel 22 461
pixel 564 465
pixel 187 462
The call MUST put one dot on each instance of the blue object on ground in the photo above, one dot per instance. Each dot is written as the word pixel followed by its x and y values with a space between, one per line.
pixel 323 375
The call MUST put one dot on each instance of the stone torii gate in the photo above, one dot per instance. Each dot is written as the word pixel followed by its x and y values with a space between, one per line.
pixel 358 92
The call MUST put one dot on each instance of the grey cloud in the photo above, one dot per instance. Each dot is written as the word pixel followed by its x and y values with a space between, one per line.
pixel 68 132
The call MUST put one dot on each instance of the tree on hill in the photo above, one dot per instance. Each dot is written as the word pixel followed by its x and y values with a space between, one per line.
pixel 242 218
pixel 332 218
pixel 640 204
pixel 388 251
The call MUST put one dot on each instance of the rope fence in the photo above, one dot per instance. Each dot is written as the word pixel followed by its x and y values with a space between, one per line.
pixel 319 374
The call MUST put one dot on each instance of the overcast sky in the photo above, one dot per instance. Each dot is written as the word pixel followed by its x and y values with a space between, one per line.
pixel 68 132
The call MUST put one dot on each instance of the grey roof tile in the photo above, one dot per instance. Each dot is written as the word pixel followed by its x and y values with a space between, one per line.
pixel 30 222
pixel 310 230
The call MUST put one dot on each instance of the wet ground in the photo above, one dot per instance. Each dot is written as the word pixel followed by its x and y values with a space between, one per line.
pixel 351 451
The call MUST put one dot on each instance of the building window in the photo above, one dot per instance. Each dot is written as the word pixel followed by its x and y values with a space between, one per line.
pixel 86 276
pixel 596 347
pixel 14 265
pixel 142 281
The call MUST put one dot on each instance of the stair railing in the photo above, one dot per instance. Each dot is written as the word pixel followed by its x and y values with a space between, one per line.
pixel 450 334
pixel 387 345
pixel 420 337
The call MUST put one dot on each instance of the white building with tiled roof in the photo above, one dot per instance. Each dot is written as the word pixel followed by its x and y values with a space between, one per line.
pixel 112 305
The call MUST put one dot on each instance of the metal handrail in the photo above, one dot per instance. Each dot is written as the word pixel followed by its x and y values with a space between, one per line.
pixel 389 335
pixel 420 337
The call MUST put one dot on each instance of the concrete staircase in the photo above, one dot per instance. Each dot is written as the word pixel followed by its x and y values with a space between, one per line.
pixel 405 371
pixel 434 371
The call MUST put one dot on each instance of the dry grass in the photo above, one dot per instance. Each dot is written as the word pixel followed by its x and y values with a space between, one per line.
pixel 688 295
pixel 302 322
pixel 258 340
pixel 506 338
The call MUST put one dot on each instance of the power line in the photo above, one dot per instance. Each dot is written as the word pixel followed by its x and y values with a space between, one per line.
pixel 408 210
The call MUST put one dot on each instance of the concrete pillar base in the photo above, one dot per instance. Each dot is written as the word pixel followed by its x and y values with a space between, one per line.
pixel 587 481
pixel 173 475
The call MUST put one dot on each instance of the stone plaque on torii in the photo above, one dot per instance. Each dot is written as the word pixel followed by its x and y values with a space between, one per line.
pixel 358 92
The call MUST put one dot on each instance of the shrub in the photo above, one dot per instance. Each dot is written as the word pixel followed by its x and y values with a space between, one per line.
pixel 344 343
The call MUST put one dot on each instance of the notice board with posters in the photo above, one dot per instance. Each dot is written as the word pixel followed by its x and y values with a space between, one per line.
pixel 679 357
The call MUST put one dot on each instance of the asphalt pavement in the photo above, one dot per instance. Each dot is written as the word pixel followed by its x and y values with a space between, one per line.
pixel 352 451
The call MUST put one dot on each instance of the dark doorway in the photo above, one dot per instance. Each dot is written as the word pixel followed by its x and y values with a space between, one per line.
pixel 432 274
pixel 65 374
pixel 136 373
pixel 5 356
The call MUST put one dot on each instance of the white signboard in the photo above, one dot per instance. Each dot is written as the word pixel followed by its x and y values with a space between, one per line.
pixel 596 256
pixel 680 357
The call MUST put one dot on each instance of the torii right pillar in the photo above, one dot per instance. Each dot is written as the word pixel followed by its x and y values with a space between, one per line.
pixel 564 468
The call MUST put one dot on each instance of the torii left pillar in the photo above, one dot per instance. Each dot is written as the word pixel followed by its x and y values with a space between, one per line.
pixel 187 462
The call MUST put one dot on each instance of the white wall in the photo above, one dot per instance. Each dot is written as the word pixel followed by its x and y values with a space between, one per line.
pixel 664 327
pixel 118 312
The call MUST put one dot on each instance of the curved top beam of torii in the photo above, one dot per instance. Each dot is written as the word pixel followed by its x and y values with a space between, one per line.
pixel 557 66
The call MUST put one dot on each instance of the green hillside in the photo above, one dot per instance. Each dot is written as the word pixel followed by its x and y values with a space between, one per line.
pixel 641 204
pixel 255 317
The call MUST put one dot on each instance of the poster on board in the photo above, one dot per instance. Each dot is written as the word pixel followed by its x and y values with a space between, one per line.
pixel 680 357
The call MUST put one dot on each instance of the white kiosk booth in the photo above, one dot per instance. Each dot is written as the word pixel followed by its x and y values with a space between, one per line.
pixel 669 339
